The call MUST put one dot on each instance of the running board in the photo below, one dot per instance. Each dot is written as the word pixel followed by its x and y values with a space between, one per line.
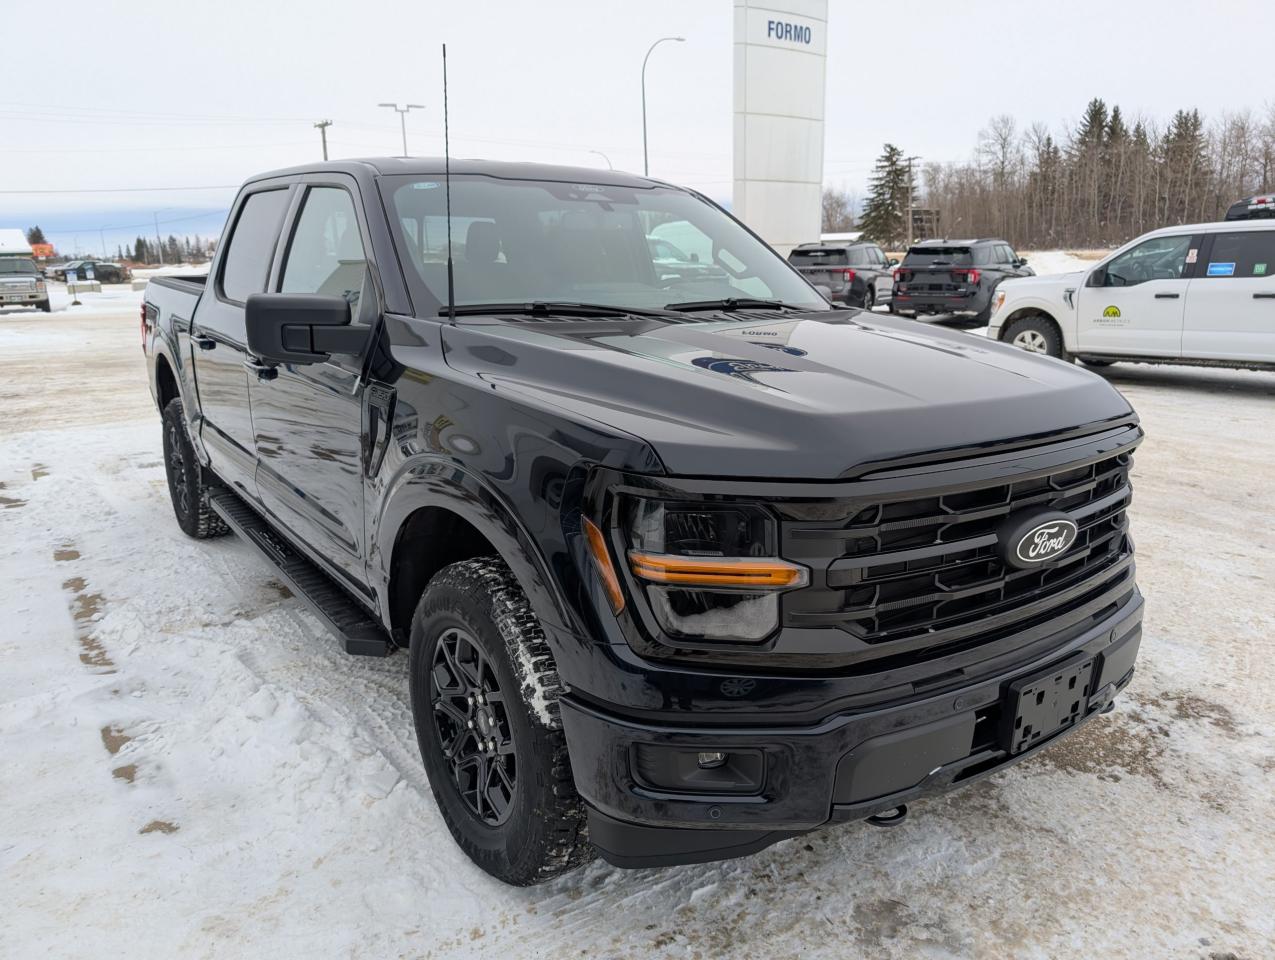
pixel 360 634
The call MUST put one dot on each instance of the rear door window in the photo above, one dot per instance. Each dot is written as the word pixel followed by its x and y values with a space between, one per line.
pixel 247 263
pixel 1246 254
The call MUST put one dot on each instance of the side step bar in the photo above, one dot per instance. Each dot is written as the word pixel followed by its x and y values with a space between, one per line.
pixel 360 634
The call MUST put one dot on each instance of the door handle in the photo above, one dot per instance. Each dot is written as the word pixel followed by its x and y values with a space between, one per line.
pixel 264 371
pixel 1167 296
pixel 203 342
pixel 1264 296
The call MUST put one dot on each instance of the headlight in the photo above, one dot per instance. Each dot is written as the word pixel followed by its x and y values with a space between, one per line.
pixel 998 300
pixel 39 286
pixel 710 571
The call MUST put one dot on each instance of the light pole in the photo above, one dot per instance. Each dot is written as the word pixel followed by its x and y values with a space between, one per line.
pixel 909 223
pixel 402 117
pixel 322 127
pixel 610 166
pixel 645 164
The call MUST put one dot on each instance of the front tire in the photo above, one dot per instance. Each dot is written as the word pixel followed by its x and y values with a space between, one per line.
pixel 45 306
pixel 1037 334
pixel 485 705
pixel 186 478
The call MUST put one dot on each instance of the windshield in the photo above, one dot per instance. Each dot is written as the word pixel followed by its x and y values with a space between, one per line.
pixel 942 256
pixel 519 241
pixel 19 266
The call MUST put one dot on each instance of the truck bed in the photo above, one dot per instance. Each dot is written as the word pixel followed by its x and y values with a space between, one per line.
pixel 188 282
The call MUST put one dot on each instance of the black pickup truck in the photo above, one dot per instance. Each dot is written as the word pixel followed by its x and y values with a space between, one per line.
pixel 686 563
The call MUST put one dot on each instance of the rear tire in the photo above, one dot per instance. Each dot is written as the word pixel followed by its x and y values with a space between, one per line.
pixel 1037 334
pixel 186 478
pixel 481 674
pixel 869 298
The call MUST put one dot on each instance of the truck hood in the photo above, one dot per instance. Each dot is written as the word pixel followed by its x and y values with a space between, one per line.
pixel 1049 287
pixel 802 396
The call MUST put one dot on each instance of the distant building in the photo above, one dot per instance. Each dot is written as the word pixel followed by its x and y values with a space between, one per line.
pixel 925 223
pixel 13 243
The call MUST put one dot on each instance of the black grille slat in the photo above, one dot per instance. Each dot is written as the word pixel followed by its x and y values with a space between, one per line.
pixel 907 571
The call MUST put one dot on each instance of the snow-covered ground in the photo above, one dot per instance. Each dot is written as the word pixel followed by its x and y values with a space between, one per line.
pixel 192 769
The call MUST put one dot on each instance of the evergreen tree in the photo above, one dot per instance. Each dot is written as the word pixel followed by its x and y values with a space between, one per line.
pixel 885 212
pixel 36 235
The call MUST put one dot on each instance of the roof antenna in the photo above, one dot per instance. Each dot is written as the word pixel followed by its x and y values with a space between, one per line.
pixel 447 189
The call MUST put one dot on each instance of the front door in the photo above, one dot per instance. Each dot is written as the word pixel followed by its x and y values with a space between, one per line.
pixel 1134 303
pixel 308 418
pixel 219 338
pixel 1230 311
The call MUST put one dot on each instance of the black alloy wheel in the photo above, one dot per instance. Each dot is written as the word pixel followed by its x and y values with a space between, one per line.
pixel 472 720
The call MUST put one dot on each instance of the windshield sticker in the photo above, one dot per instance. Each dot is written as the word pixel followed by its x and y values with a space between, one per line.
pixel 1192 255
pixel 1222 269
pixel 1259 269
pixel 425 185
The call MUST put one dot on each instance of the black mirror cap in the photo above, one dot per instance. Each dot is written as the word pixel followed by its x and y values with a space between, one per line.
pixel 1098 278
pixel 281 325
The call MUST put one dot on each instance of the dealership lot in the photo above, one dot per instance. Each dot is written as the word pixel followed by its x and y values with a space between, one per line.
pixel 190 757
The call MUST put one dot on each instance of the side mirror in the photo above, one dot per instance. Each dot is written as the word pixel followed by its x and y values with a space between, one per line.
pixel 694 258
pixel 300 327
pixel 892 262
pixel 1020 262
pixel 1098 278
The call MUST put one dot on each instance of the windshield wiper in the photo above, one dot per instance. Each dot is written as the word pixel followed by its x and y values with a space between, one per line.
pixel 550 308
pixel 731 303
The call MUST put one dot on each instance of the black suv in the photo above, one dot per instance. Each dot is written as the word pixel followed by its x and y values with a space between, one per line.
pixel 856 273
pixel 686 563
pixel 1261 207
pixel 954 277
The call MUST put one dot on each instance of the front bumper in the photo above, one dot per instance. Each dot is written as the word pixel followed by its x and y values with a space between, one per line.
pixel 849 766
pixel 12 298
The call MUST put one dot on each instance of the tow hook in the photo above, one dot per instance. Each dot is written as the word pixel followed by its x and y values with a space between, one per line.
pixel 890 818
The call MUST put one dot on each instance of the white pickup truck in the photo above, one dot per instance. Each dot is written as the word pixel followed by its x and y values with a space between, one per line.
pixel 1199 294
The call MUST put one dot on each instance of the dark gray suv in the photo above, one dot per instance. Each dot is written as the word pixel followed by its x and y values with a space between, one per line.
pixel 856 273
pixel 954 277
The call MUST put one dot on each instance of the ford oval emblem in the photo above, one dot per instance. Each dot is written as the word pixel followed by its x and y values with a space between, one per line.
pixel 1031 539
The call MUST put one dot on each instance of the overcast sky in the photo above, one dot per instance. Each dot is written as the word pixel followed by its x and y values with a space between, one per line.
pixel 161 94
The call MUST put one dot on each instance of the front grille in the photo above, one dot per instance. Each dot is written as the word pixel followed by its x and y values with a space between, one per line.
pixel 927 570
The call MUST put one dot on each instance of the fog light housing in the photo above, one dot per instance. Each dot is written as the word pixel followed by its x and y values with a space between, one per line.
pixel 740 771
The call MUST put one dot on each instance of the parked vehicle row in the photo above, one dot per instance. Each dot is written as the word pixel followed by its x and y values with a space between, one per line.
pixel 687 560
pixel 1199 293
pixel 102 270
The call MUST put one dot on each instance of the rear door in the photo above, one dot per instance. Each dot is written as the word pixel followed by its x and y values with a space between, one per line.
pixel 308 418
pixel 885 276
pixel 219 339
pixel 1134 303
pixel 1230 308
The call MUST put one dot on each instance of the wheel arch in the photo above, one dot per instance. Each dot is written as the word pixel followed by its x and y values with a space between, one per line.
pixel 436 513
pixel 166 388
pixel 1022 313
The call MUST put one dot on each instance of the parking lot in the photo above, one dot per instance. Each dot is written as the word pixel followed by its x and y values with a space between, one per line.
pixel 193 768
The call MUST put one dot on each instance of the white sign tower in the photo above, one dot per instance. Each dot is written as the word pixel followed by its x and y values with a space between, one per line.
pixel 780 52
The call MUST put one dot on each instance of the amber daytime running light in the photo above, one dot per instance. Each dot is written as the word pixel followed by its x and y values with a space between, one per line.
pixel 716 571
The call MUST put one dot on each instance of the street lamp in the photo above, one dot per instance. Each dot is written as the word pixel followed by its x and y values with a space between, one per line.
pixel 402 117
pixel 645 165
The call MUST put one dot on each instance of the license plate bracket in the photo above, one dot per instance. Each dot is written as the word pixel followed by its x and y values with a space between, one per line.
pixel 1037 706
